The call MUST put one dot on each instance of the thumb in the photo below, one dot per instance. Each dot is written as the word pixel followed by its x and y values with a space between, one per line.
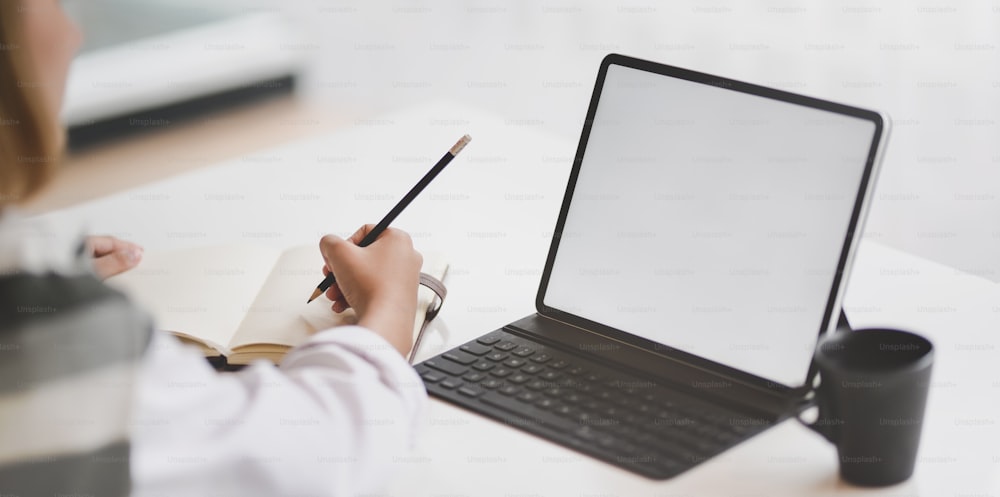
pixel 117 262
pixel 361 233
pixel 335 249
pixel 101 245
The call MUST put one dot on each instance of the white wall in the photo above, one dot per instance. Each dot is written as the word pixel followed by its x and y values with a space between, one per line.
pixel 934 66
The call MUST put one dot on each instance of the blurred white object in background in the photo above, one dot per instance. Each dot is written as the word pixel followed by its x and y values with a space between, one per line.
pixel 149 64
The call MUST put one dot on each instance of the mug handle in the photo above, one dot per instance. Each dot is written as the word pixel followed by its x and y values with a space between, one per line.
pixel 818 426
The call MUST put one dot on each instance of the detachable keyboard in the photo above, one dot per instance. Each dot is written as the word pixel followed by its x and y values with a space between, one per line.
pixel 638 424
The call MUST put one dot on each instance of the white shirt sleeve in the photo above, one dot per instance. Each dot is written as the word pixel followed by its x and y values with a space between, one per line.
pixel 330 421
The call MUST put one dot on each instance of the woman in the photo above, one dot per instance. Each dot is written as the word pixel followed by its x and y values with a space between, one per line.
pixel 92 401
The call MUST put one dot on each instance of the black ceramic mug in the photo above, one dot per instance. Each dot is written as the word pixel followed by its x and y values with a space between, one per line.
pixel 871 398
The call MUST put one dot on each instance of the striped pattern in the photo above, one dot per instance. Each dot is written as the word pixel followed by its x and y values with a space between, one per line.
pixel 68 346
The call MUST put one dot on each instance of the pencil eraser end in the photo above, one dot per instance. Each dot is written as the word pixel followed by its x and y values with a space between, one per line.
pixel 462 142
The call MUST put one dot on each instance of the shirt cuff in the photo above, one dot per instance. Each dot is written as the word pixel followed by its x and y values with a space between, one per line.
pixel 328 347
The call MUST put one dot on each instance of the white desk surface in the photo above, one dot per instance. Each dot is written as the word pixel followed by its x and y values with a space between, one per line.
pixel 493 211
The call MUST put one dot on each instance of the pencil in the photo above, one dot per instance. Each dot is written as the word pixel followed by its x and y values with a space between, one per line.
pixel 405 201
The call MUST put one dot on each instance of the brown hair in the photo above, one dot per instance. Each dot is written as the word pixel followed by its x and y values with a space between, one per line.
pixel 30 137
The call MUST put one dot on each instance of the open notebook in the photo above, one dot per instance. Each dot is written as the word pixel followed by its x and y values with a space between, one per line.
pixel 245 302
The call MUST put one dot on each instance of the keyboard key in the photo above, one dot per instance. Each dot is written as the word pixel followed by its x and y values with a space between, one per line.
pixel 586 433
pixel 509 390
pixel 460 357
pixel 451 383
pixel 483 365
pixel 549 375
pixel 470 391
pixel 717 418
pixel 496 356
pixel 488 339
pixel 432 377
pixel 629 449
pixel 473 377
pixel 491 383
pixel 537 385
pixel 532 368
pixel 527 396
pixel 724 438
pixel 475 348
pixel 546 403
pixel 607 441
pixel 513 362
pixel 518 378
pixel 564 410
pixel 505 346
pixel 446 366
pixel 576 371
pixel 543 357
pixel 523 351
pixel 560 364
pixel 666 416
pixel 501 372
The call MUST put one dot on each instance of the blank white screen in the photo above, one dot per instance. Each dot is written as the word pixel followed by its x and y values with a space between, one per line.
pixel 710 220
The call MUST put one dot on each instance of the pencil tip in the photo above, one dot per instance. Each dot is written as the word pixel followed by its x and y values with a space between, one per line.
pixel 316 293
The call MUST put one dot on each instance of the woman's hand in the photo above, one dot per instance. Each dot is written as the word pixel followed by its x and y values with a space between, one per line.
pixel 379 281
pixel 112 256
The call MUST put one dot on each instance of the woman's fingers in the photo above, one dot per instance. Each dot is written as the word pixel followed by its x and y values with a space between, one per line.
pixel 340 306
pixel 113 256
pixel 361 233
